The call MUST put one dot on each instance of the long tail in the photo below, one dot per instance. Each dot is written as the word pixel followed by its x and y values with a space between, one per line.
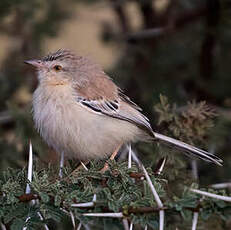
pixel 206 156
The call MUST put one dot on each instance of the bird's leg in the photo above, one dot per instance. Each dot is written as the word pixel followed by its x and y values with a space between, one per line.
pixel 112 157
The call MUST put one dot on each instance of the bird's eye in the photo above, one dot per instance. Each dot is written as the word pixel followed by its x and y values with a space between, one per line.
pixel 57 67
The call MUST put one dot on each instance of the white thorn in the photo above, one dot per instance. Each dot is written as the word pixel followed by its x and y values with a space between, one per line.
pixel 194 169
pixel 86 226
pixel 41 218
pixel 79 226
pixel 82 205
pixel 212 195
pixel 30 168
pixel 195 220
pixel 125 223
pixel 84 166
pixel 161 219
pixel 61 165
pixel 129 156
pixel 146 227
pixel 24 228
pixel 72 219
pixel 3 227
pixel 29 178
pixel 221 185
pixel 161 167
pixel 131 226
pixel 94 198
pixel 109 214
pixel 154 192
pixel 65 211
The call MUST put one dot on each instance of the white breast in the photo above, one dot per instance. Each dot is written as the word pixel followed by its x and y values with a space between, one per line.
pixel 78 132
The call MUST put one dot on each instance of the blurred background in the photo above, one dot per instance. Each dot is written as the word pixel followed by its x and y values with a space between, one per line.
pixel 181 49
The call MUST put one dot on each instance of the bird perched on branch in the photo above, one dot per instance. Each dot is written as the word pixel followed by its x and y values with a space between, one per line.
pixel 80 111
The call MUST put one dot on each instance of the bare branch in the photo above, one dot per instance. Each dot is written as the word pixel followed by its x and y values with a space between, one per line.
pixel 179 22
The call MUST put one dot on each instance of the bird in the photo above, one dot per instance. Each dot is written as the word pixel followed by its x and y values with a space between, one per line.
pixel 79 111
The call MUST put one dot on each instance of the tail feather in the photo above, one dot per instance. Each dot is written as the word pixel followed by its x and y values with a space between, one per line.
pixel 199 153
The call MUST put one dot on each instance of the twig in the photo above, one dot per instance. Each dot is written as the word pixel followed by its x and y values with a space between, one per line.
pixel 195 220
pixel 179 22
pixel 139 210
pixel 137 175
pixel 27 197
pixel 212 195
pixel 156 32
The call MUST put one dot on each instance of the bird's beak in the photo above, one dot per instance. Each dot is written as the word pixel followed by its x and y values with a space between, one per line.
pixel 35 63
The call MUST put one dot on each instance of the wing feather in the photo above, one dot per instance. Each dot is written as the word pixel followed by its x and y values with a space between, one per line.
pixel 118 109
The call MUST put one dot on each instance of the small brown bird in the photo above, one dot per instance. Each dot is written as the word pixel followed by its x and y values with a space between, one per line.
pixel 78 110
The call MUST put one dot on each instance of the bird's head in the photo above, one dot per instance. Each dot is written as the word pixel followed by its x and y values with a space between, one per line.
pixel 63 66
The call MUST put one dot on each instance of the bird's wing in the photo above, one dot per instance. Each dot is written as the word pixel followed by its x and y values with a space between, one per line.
pixel 119 110
pixel 104 98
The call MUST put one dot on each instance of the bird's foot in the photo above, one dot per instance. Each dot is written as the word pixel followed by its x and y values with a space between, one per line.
pixel 112 157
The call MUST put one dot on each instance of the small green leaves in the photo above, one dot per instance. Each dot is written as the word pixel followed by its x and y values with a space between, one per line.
pixel 116 191
pixel 189 123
